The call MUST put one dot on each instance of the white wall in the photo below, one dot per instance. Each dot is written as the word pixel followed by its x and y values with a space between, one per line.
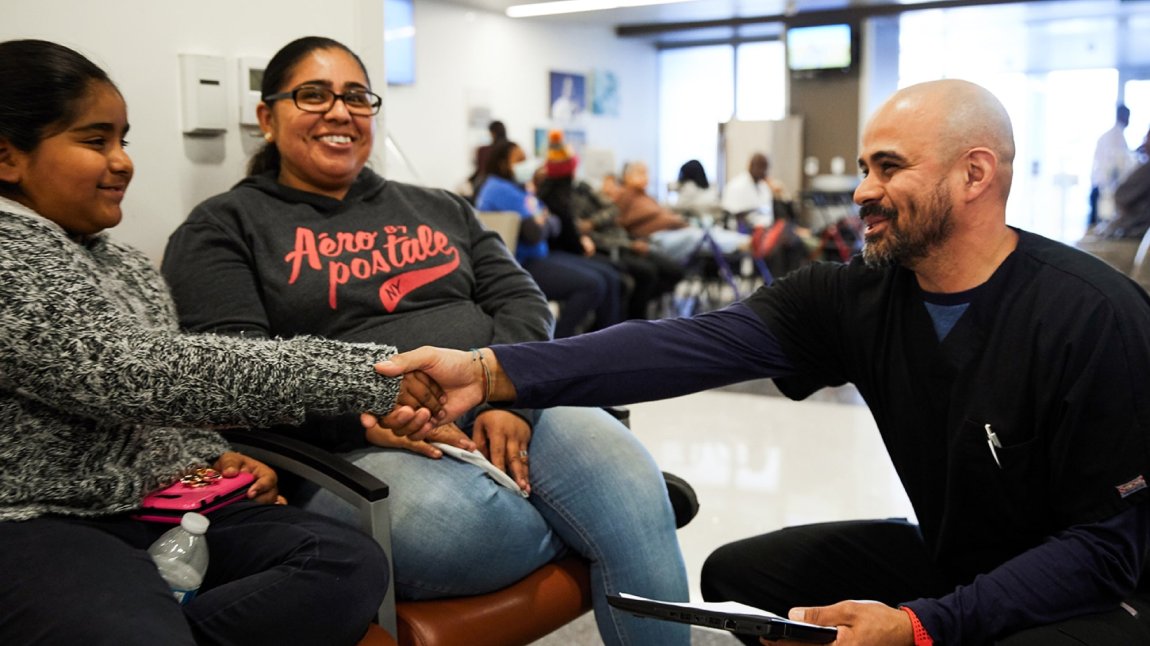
pixel 466 57
pixel 137 42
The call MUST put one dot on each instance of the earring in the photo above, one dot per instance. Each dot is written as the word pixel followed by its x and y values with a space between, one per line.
pixel 268 137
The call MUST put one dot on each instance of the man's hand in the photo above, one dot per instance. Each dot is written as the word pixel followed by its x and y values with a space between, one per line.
pixel 503 437
pixel 447 433
pixel 860 623
pixel 264 489
pixel 457 372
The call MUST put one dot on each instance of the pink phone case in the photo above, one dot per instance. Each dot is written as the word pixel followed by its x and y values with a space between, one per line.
pixel 168 505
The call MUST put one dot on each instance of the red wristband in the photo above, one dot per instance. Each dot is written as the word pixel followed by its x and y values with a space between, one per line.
pixel 921 637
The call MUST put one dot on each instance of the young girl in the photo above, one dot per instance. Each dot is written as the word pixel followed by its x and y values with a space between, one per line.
pixel 102 400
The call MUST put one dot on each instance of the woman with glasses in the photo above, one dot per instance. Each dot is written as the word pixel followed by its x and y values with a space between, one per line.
pixel 314 243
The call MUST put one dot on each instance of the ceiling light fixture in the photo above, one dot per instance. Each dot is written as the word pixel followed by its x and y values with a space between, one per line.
pixel 577 6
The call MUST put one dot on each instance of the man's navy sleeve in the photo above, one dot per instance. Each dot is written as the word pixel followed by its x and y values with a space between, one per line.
pixel 1083 569
pixel 644 360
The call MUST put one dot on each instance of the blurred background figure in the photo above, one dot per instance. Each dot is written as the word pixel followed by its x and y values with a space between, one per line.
pixel 1132 198
pixel 581 287
pixel 751 196
pixel 669 232
pixel 650 273
pixel 694 194
pixel 498 135
pixel 1112 160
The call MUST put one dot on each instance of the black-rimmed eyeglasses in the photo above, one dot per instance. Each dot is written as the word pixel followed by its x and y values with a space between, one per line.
pixel 316 98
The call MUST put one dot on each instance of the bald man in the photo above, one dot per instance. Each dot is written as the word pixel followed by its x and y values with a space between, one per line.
pixel 1006 374
pixel 753 192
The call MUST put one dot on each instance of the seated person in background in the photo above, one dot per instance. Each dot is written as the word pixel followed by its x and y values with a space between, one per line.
pixel 694 194
pixel 582 287
pixel 1005 373
pixel 667 231
pixel 761 203
pixel 751 195
pixel 554 182
pixel 498 134
pixel 415 266
pixel 653 273
pixel 103 400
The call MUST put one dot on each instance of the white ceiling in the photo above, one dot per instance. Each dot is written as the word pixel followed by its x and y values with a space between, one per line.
pixel 695 10
pixel 707 10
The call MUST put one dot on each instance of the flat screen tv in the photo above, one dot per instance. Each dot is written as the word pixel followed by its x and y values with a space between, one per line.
pixel 816 48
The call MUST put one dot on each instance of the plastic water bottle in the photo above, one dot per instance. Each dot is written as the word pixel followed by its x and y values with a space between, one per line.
pixel 181 555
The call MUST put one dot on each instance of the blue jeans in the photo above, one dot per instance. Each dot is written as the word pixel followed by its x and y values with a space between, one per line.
pixel 595 491
pixel 679 243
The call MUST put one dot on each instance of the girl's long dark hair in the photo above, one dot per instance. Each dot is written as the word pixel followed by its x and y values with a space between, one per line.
pixel 41 88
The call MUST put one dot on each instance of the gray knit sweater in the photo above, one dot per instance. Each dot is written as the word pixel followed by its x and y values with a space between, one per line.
pixel 102 399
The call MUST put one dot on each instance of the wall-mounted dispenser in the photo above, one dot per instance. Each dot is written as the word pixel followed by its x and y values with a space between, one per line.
pixel 202 91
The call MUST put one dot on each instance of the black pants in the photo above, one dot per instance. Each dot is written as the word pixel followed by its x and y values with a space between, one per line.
pixel 653 275
pixel 276 575
pixel 882 560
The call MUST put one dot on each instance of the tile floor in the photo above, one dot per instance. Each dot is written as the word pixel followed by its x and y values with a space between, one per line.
pixel 759 462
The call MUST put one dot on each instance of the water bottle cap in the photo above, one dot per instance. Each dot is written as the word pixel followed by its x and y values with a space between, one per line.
pixel 195 523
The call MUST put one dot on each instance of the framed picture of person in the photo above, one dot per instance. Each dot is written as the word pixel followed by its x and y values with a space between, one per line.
pixel 604 93
pixel 568 96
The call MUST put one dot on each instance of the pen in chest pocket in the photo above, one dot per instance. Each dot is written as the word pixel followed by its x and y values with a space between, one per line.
pixel 994 444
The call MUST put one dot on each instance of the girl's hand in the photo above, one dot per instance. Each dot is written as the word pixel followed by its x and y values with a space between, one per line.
pixel 265 487
pixel 447 433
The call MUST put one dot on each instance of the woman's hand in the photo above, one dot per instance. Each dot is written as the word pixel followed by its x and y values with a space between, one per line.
pixel 265 487
pixel 447 433
pixel 503 437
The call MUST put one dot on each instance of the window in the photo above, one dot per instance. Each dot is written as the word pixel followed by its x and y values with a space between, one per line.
pixel 696 94
pixel 399 41
pixel 701 87
pixel 760 81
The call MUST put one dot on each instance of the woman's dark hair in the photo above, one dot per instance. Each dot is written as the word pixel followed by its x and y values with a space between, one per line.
pixel 498 130
pixel 693 172
pixel 498 163
pixel 276 74
pixel 41 87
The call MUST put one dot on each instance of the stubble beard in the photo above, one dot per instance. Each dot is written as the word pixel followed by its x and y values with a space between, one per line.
pixel 929 228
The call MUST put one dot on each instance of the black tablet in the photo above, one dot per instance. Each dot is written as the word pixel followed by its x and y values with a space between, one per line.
pixel 732 617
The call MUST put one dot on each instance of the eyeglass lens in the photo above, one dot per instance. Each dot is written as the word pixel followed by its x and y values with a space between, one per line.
pixel 320 99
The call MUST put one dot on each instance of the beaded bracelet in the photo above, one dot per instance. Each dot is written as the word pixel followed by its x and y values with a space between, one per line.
pixel 476 355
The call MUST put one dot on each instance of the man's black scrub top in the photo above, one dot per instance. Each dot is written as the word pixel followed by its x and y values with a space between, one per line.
pixel 1053 354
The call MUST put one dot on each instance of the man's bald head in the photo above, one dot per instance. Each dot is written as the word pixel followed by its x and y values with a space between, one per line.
pixel 958 115
pixel 758 167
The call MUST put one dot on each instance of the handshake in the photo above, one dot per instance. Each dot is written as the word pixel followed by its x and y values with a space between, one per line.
pixel 439 385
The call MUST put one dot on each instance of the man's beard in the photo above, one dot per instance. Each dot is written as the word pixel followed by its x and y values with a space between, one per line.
pixel 926 229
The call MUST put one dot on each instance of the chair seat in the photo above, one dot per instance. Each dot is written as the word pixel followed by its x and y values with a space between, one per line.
pixel 546 599
pixel 376 636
